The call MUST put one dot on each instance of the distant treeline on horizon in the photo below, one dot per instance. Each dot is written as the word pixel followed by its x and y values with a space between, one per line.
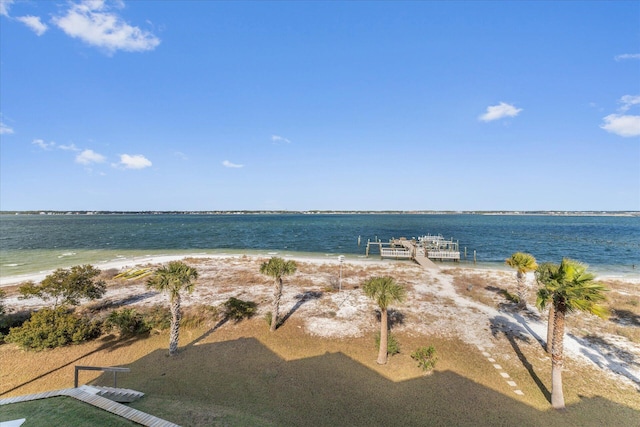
pixel 326 212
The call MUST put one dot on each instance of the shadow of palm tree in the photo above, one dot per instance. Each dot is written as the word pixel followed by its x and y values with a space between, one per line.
pixel 624 317
pixel 234 309
pixel 204 336
pixel 514 332
pixel 607 355
pixel 302 298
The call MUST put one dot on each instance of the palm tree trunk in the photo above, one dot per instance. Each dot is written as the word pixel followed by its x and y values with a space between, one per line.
pixel 522 290
pixel 557 359
pixel 175 325
pixel 277 295
pixel 550 329
pixel 384 337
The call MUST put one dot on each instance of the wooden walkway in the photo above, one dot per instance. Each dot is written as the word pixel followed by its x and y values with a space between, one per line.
pixel 97 401
pixel 417 257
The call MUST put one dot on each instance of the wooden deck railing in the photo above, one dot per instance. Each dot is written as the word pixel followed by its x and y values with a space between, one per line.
pixel 444 255
pixel 395 253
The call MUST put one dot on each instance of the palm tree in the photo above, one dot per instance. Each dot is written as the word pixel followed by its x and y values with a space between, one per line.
pixel 567 289
pixel 546 274
pixel 523 263
pixel 277 267
pixel 384 291
pixel 173 279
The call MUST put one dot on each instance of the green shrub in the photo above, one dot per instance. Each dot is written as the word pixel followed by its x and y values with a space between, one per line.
pixel 49 328
pixel 426 357
pixel 127 322
pixel 393 346
pixel 236 309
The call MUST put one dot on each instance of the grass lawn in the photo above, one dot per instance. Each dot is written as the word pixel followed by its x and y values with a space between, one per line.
pixel 61 411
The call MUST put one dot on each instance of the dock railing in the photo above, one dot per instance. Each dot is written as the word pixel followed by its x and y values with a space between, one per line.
pixel 444 255
pixel 395 253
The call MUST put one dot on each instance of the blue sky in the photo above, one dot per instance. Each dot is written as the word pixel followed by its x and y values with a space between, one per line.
pixel 213 105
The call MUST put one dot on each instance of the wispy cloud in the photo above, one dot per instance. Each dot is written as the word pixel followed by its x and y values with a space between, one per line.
pixel 278 139
pixel 500 111
pixel 34 23
pixel 43 144
pixel 70 147
pixel 181 155
pixel 136 161
pixel 625 125
pixel 228 164
pixel 5 5
pixel 87 157
pixel 5 130
pixel 627 56
pixel 629 101
pixel 93 22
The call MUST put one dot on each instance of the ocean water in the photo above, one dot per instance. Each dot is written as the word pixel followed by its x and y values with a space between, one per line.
pixel 35 243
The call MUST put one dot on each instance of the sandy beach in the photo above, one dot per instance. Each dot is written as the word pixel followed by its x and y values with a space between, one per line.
pixel 451 301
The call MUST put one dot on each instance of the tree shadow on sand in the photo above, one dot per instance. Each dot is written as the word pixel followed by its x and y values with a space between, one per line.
pixel 234 310
pixel 394 317
pixel 301 299
pixel 501 325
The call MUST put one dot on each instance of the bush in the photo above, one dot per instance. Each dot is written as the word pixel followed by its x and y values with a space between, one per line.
pixel 51 328
pixel 426 357
pixel 236 309
pixel 393 346
pixel 127 322
pixel 12 320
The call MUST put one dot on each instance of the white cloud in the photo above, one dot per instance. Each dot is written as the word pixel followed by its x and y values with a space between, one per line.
pixel 4 7
pixel 136 161
pixel 228 164
pixel 44 145
pixel 500 111
pixel 5 130
pixel 623 125
pixel 626 125
pixel 627 56
pixel 278 138
pixel 87 157
pixel 70 147
pixel 629 101
pixel 34 23
pixel 92 22
pixel 181 155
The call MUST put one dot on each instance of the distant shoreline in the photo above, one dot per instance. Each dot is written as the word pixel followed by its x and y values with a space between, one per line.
pixel 328 212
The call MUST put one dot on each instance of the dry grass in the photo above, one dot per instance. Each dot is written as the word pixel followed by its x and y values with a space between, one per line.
pixel 478 287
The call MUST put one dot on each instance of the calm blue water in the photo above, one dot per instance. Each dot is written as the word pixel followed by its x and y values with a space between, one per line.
pixel 31 243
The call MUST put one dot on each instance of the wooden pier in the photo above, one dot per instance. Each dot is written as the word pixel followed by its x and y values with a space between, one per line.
pixel 422 250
